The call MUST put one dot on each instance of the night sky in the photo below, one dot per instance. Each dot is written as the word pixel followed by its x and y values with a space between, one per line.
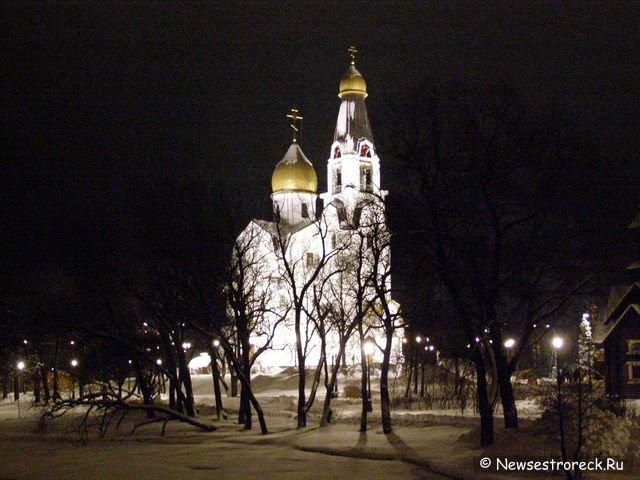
pixel 105 105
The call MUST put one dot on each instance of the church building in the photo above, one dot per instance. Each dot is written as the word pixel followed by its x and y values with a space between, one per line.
pixel 325 253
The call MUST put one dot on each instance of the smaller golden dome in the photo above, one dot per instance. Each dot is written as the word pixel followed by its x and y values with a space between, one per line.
pixel 352 83
pixel 294 172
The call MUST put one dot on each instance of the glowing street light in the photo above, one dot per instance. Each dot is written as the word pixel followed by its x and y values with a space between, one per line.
pixel 20 365
pixel 418 339
pixel 159 361
pixel 216 343
pixel 557 342
pixel 186 345
pixel 369 347
pixel 509 343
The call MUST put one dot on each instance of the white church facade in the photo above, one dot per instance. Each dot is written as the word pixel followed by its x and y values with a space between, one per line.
pixel 331 261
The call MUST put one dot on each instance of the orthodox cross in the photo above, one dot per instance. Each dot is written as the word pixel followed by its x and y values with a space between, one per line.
pixel 352 51
pixel 294 119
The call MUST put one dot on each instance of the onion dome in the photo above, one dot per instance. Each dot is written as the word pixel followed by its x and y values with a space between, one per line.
pixel 352 83
pixel 294 172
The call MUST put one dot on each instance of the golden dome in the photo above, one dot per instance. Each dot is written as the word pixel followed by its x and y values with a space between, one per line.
pixel 294 172
pixel 352 83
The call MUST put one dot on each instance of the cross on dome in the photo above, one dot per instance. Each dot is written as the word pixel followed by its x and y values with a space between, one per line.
pixel 353 51
pixel 294 119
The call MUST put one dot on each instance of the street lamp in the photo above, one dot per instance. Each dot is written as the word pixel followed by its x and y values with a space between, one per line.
pixel 16 386
pixel 509 343
pixel 557 343
pixel 368 347
pixel 74 364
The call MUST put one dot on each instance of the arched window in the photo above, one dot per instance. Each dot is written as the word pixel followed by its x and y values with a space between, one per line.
pixel 337 153
pixel 365 178
pixel 337 179
pixel 365 151
pixel 633 347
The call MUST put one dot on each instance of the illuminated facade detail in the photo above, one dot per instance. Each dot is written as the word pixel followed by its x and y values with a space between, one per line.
pixel 313 241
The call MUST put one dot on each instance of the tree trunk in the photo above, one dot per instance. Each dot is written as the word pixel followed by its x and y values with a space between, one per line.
pixel 233 380
pixel 316 379
pixel 385 400
pixel 326 408
pixel 147 398
pixel 5 386
pixel 503 372
pixel 302 414
pixel 36 387
pixel 486 412
pixel 56 358
pixel 244 414
pixel 215 373
pixel 45 383
pixel 407 391
pixel 185 379
pixel 363 382
pixel 16 387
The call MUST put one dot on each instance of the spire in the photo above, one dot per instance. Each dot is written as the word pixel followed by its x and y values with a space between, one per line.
pixel 353 122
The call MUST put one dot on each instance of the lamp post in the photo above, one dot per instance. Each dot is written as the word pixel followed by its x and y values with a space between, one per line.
pixel 557 343
pixel 369 348
pixel 17 385
pixel 74 364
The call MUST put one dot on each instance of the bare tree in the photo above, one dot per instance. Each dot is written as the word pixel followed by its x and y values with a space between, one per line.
pixel 374 228
pixel 301 263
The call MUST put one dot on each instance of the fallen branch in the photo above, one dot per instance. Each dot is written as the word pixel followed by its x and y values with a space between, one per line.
pixel 103 410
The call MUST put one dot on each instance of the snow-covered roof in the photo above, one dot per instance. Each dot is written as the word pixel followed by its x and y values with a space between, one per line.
pixel 602 331
pixel 352 124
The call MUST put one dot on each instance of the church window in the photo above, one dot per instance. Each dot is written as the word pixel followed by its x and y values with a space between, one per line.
pixel 633 346
pixel 337 153
pixel 283 300
pixel 365 178
pixel 356 216
pixel 337 180
pixel 365 151
pixel 334 241
pixel 342 214
pixel 633 371
pixel 305 210
pixel 274 241
pixel 312 260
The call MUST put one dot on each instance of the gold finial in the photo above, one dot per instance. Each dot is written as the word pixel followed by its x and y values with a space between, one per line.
pixel 352 51
pixel 294 118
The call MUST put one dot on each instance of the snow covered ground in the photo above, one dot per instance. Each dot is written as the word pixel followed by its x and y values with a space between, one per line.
pixel 425 444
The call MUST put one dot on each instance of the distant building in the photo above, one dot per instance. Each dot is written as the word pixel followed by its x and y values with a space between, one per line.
pixel 618 335
pixel 310 235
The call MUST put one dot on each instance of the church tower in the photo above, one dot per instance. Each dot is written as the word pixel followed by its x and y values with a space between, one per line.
pixel 353 168
pixel 294 184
